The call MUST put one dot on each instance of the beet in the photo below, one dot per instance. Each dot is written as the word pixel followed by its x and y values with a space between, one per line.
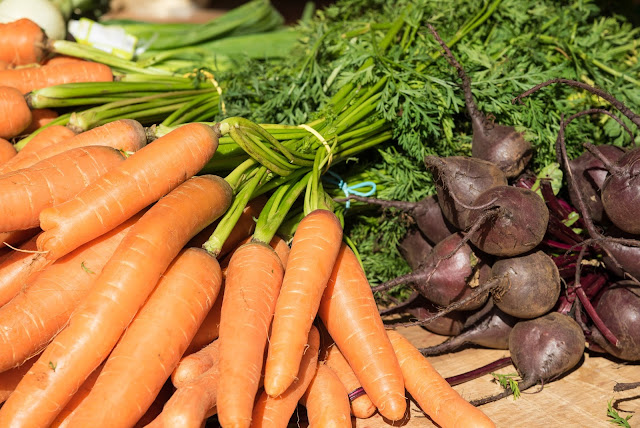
pixel 501 145
pixel 590 174
pixel 622 254
pixel 519 225
pixel 414 248
pixel 619 308
pixel 621 193
pixel 459 182
pixel 531 287
pixel 491 331
pixel 543 349
pixel 447 274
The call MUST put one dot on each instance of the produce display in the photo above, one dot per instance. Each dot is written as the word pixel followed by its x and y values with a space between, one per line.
pixel 234 223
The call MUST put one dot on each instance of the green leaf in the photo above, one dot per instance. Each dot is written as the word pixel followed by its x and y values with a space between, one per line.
pixel 615 418
pixel 509 381
pixel 86 269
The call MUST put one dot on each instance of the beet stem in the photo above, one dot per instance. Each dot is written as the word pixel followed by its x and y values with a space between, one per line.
pixel 476 115
pixel 626 386
pixel 478 291
pixel 602 94
pixel 598 155
pixel 480 371
pixel 403 279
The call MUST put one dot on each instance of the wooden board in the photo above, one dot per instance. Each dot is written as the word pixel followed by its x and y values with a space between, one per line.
pixel 579 399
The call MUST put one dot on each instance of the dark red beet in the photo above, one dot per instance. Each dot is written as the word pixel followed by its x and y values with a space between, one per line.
pixel 619 308
pixel 447 274
pixel 459 182
pixel 492 331
pixel 420 308
pixel 414 248
pixel 543 349
pixel 531 286
pixel 518 226
pixel 621 193
pixel 590 174
pixel 501 145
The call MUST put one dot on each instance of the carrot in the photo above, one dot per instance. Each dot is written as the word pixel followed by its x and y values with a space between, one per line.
pixel 150 349
pixel 192 403
pixel 18 267
pixel 49 136
pixel 26 192
pixel 29 79
pixel 313 253
pixel 62 421
pixel 10 378
pixel 276 411
pixel 252 285
pixel 23 42
pixel 63 59
pixel 431 391
pixel 7 151
pixel 126 135
pixel 210 327
pixel 349 312
pixel 282 249
pixel 326 400
pixel 39 118
pixel 119 292
pixel 156 407
pixel 17 237
pixel 14 111
pixel 140 180
pixel 194 365
pixel 34 316
pixel 4 65
pixel 361 407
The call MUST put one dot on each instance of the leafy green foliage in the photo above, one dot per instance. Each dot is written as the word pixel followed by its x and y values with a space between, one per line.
pixel 508 381
pixel 615 418
pixel 522 43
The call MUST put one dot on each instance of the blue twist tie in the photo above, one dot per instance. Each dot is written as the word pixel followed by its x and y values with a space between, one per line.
pixel 351 190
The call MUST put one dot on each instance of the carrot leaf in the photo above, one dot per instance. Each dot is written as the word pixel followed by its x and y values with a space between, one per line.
pixel 86 269
pixel 615 418
pixel 508 381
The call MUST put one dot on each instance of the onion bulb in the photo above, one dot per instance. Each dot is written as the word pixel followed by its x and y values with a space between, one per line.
pixel 42 12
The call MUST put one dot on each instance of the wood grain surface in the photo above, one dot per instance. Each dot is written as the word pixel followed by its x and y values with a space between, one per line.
pixel 578 399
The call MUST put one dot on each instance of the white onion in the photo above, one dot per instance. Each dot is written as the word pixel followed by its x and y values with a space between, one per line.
pixel 42 12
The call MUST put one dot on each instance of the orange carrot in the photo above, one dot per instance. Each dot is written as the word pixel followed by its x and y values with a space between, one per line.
pixel 252 285
pixel 349 312
pixel 361 407
pixel 39 118
pixel 192 403
pixel 313 253
pixel 282 249
pixel 140 180
pixel 7 151
pixel 194 365
pixel 17 237
pixel 26 192
pixel 49 136
pixel 23 42
pixel 126 135
pixel 210 327
pixel 18 267
pixel 119 292
pixel 4 65
pixel 159 333
pixel 34 316
pixel 156 407
pixel 62 421
pixel 326 400
pixel 29 79
pixel 9 378
pixel 63 59
pixel 276 411
pixel 432 392
pixel 14 111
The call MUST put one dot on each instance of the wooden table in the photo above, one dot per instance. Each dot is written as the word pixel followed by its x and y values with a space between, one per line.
pixel 579 399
